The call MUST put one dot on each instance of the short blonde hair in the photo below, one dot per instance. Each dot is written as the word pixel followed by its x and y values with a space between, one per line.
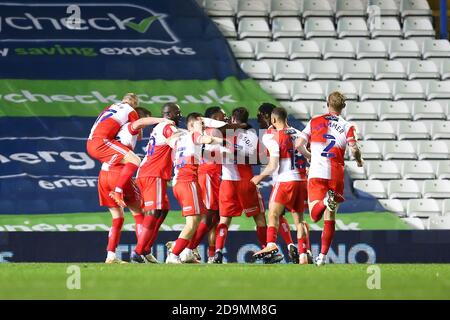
pixel 336 100
pixel 131 97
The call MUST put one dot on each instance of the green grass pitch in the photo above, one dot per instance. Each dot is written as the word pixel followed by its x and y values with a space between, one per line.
pixel 227 281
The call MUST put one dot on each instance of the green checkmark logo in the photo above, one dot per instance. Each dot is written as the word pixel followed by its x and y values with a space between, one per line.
pixel 142 26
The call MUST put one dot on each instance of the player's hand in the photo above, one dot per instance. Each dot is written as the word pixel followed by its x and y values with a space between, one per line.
pixel 171 122
pixel 256 180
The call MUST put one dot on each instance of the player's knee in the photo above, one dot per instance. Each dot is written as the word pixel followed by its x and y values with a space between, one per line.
pixel 131 157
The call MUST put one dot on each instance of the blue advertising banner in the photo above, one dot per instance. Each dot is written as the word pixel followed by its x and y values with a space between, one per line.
pixel 348 246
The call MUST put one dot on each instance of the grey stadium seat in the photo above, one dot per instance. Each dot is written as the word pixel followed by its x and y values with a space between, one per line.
pixel 284 8
pixel 399 150
pixel 277 89
pixel 289 70
pixel 297 108
pixel 378 130
pixel 417 170
pixel 414 8
pixel 386 7
pixel 242 49
pixel 438 90
pixel 428 110
pixel 375 90
pixel 254 28
pixel 219 8
pixel 408 90
pixel 323 70
pixel 352 27
pixel 304 49
pixel 419 69
pixel 412 130
pixel 385 27
pixel 334 48
pixel 347 88
pixel 433 48
pixel 356 110
pixel 319 27
pixel 404 49
pixel 251 8
pixel 440 130
pixel 355 172
pixel 443 170
pixel 371 49
pixel 356 69
pixel 418 27
pixel 433 150
pixel 393 205
pixel 318 108
pixel 270 50
pixel 389 70
pixel 438 222
pixel 287 27
pixel 383 170
pixel 371 150
pixel 314 8
pixel 226 27
pixel 446 208
pixel 404 189
pixel 372 187
pixel 437 189
pixel 423 208
pixel 394 110
pixel 257 69
pixel 350 8
pixel 307 91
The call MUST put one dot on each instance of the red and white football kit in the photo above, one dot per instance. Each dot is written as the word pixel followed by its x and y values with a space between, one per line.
pixel 210 171
pixel 185 182
pixel 101 144
pixel 156 169
pixel 328 135
pixel 109 174
pixel 237 193
pixel 290 178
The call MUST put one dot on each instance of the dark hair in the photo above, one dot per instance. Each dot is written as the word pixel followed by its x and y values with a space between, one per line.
pixel 280 113
pixel 142 112
pixel 212 110
pixel 192 117
pixel 240 114
pixel 266 108
pixel 169 105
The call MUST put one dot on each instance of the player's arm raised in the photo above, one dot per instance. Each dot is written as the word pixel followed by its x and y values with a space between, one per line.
pixel 148 121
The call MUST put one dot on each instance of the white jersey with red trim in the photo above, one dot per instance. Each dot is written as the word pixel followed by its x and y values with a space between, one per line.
pixel 127 136
pixel 158 161
pixel 245 144
pixel 111 119
pixel 280 143
pixel 328 135
pixel 188 151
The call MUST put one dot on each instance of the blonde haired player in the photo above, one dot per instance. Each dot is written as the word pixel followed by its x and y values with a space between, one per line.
pixel 329 135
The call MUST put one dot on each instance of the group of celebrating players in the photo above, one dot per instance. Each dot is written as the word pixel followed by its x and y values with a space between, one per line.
pixel 213 179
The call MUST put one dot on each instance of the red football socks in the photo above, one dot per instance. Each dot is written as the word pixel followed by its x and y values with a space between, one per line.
pixel 147 231
pixel 317 211
pixel 126 173
pixel 261 233
pixel 114 234
pixel 138 219
pixel 179 246
pixel 284 230
pixel 327 235
pixel 202 230
pixel 302 245
pixel 211 251
pixel 221 235
pixel 271 234
pixel 308 243
pixel 152 239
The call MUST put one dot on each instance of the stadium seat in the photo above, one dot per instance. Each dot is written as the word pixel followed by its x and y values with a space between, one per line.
pixel 393 205
pixel 437 189
pixel 389 70
pixel 446 208
pixel 297 108
pixel 257 69
pixel 319 27
pixel 356 69
pixel 443 170
pixel 399 150
pixel 307 91
pixel 394 110
pixel 433 48
pixel 383 170
pixel 428 110
pixel 253 28
pixel 438 222
pixel 418 27
pixel 378 130
pixel 226 27
pixel 356 110
pixel 403 189
pixel 287 27
pixel 438 90
pixel 284 8
pixel 277 89
pixel 386 7
pixel 404 49
pixel 289 70
pixel 373 187
pixel 219 8
pixel 423 69
pixel 412 130
pixel 417 170
pixel 350 8
pixel 270 50
pixel 444 67
pixel 352 27
pixel 314 8
pixel 433 150
pixel 371 49
pixel 318 108
pixel 251 8
pixel 323 70
pixel 242 49
pixel 306 49
pixel 423 207
pixel 440 130
pixel 414 8
pixel 408 90
pixel 375 90
pixel 334 49
pixel 355 172
pixel 385 27
pixel 347 88
pixel 370 150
